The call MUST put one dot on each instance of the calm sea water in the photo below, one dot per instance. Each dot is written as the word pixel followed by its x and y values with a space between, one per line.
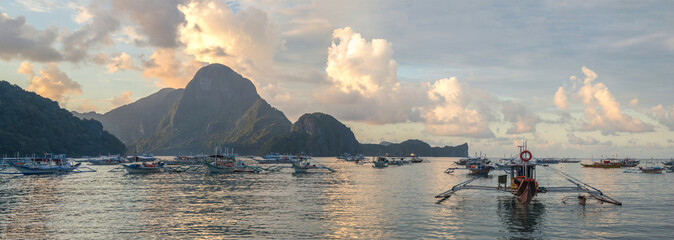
pixel 356 202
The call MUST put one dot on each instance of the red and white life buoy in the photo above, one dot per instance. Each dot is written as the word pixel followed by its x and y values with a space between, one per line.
pixel 527 157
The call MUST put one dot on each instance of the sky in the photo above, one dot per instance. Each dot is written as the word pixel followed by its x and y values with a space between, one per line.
pixel 572 78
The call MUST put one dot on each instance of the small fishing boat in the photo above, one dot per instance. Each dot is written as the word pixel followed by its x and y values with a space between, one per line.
pixel 478 168
pixel 49 164
pixel 144 167
pixel 380 162
pixel 547 161
pixel 670 163
pixel 398 161
pixel 415 159
pixel 228 164
pixel 652 169
pixel 302 165
pixel 464 161
pixel 276 158
pixel 106 160
pixel 605 163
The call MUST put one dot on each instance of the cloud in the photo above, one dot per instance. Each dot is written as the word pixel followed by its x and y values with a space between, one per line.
pixel 157 19
pixel 522 120
pixel 561 100
pixel 451 116
pixel 362 84
pixel 171 68
pixel 245 41
pixel 120 62
pixel 664 115
pixel 120 100
pixel 82 14
pixel 86 107
pixel 22 41
pixel 93 34
pixel 356 65
pixel 602 111
pixel 51 83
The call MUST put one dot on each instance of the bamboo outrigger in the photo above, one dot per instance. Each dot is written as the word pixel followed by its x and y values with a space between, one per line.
pixel 523 184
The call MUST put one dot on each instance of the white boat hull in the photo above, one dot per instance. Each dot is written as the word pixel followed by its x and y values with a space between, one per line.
pixel 35 170
pixel 226 169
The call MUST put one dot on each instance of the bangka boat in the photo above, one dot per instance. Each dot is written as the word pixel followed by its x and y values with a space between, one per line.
pixel 106 160
pixel 302 165
pixel 630 162
pixel 464 161
pixel 49 164
pixel 520 181
pixel 380 162
pixel 276 158
pixel 652 169
pixel 142 158
pixel 228 164
pixel 605 163
pixel 547 161
pixel 670 163
pixel 398 161
pixel 568 160
pixel 415 159
pixel 144 167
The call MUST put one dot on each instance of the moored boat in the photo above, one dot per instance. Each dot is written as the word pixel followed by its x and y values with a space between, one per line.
pixel 415 159
pixel 605 163
pixel 276 158
pixel 49 164
pixel 652 169
pixel 144 167
pixel 302 165
pixel 228 164
pixel 380 162
pixel 106 160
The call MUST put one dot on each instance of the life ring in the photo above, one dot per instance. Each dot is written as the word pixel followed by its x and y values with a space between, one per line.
pixel 529 155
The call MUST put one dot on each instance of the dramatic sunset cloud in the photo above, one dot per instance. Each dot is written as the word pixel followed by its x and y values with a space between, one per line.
pixel 602 111
pixel 245 41
pixel 171 68
pixel 120 62
pixel 451 115
pixel 51 82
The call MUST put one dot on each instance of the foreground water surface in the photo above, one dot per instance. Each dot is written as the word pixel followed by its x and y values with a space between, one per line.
pixel 356 202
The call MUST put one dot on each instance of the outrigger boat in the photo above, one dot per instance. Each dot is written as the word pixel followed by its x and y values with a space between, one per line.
pixel 227 163
pixel 302 165
pixel 523 184
pixel 49 164
pixel 144 167
pixel 606 163
pixel 106 160
pixel 415 159
pixel 380 162
pixel 652 169
pixel 465 161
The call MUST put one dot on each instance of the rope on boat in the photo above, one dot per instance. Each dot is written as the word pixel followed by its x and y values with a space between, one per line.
pixel 446 194
pixel 586 187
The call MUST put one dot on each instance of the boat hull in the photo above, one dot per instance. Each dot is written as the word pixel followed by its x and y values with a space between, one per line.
pixel 602 165
pixel 141 170
pixel 380 164
pixel 526 190
pixel 39 170
pixel 225 169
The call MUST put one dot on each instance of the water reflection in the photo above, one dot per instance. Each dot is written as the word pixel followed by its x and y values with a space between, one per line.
pixel 28 204
pixel 520 219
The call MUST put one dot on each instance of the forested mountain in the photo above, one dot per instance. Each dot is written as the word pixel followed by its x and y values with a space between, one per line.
pixel 30 124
